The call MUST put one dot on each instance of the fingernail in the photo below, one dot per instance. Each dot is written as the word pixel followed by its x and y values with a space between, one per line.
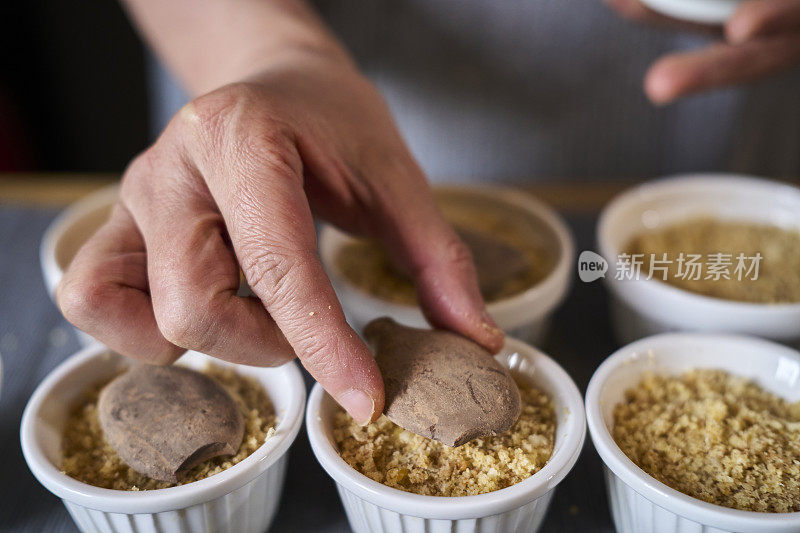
pixel 360 406
pixel 486 317
pixel 489 323
pixel 735 35
pixel 739 28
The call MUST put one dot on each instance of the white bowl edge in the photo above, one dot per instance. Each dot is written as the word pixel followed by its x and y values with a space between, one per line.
pixel 284 386
pixel 534 304
pixel 678 309
pixel 675 352
pixel 64 221
pixel 531 364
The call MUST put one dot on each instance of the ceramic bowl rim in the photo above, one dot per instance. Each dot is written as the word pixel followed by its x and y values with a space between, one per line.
pixel 159 500
pixel 659 289
pixel 546 294
pixel 658 493
pixel 462 507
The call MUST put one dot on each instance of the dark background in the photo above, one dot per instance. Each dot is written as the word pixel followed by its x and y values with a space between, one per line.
pixel 73 94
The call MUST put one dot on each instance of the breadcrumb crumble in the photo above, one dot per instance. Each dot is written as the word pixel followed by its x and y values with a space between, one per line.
pixel 778 278
pixel 716 437
pixel 398 458
pixel 366 264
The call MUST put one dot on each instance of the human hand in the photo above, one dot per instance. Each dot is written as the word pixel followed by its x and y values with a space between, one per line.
pixel 760 39
pixel 233 181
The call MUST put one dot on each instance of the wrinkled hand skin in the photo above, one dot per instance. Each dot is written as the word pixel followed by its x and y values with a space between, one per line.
pixel 232 182
pixel 760 39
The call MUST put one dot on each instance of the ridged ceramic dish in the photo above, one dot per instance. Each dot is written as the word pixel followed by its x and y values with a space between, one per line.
pixel 375 508
pixel 641 307
pixel 241 499
pixel 638 501
pixel 525 315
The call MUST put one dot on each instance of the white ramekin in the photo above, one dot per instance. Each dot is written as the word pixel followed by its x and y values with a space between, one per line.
pixel 243 498
pixel 638 501
pixel 701 11
pixel 67 233
pixel 525 315
pixel 372 507
pixel 642 307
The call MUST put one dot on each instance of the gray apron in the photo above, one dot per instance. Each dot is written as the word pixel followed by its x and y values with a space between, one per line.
pixel 498 90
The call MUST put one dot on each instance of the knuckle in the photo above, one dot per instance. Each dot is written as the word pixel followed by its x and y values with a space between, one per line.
pixel 187 321
pixel 136 182
pixel 211 110
pixel 208 119
pixel 264 166
pixel 242 125
pixel 269 214
pixel 269 270
pixel 267 145
pixel 83 301
pixel 451 254
pixel 322 358
pixel 457 253
pixel 389 157
pixel 142 164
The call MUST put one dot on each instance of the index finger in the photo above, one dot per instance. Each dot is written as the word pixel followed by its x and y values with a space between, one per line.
pixel 758 18
pixel 256 181
pixel 719 65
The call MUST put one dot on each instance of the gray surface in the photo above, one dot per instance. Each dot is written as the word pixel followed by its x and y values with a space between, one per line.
pixel 34 339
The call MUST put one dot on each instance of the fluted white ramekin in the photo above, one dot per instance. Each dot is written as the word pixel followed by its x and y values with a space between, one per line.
pixel 525 316
pixel 700 11
pixel 641 307
pixel 243 498
pixel 372 507
pixel 67 233
pixel 638 501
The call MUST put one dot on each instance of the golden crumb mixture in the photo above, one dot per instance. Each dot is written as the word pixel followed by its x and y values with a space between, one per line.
pixel 716 437
pixel 404 460
pixel 778 278
pixel 90 459
pixel 366 264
